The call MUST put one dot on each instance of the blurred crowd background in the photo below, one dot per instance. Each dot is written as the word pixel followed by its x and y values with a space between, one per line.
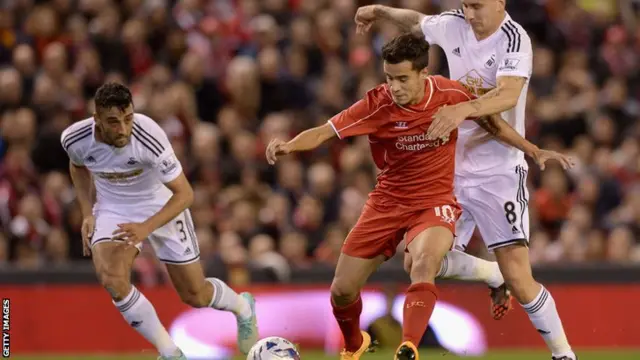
pixel 223 77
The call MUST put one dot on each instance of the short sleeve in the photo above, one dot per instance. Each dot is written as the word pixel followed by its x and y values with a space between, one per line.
pixel 516 57
pixel 435 27
pixel 158 147
pixel 168 167
pixel 74 156
pixel 364 117
pixel 72 139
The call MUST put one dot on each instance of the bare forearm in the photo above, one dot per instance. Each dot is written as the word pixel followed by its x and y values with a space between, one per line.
pixel 85 189
pixel 178 203
pixel 493 102
pixel 502 131
pixel 404 19
pixel 307 140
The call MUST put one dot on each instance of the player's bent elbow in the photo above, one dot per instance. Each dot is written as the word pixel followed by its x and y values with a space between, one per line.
pixel 513 100
pixel 182 190
pixel 188 197
pixel 510 91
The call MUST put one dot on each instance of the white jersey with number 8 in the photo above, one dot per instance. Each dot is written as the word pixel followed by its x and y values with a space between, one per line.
pixel 490 177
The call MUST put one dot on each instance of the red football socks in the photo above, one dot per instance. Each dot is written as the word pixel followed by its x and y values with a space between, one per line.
pixel 348 318
pixel 418 307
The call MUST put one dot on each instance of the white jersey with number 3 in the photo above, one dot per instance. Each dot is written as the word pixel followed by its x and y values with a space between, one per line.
pixel 477 65
pixel 129 179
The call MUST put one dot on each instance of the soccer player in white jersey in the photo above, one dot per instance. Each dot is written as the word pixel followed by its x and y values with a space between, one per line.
pixel 491 55
pixel 131 187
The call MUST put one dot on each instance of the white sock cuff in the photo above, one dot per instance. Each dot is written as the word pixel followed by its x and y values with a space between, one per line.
pixel 217 291
pixel 444 266
pixel 537 303
pixel 129 300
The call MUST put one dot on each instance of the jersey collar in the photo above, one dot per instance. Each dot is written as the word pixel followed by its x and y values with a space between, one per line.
pixel 422 105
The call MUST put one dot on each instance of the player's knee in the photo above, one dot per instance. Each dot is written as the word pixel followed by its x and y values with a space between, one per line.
pixel 407 263
pixel 343 292
pixel 424 268
pixel 117 286
pixel 518 276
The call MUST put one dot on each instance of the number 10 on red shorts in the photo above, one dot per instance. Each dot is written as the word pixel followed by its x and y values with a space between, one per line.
pixel 381 227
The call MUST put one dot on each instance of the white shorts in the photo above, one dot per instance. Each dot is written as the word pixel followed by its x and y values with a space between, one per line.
pixel 499 208
pixel 174 243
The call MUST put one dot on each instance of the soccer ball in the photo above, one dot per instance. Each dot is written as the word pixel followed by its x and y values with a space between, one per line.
pixel 273 348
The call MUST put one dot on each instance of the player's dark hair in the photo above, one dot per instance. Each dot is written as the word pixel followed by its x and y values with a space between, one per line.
pixel 111 95
pixel 407 47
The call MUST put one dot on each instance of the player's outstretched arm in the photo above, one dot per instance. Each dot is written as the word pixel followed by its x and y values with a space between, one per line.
pixel 85 189
pixel 406 20
pixel 305 141
pixel 496 126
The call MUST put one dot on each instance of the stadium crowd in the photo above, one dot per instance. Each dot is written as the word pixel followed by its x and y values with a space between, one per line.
pixel 223 77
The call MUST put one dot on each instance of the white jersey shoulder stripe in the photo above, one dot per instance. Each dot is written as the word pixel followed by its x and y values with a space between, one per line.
pixel 76 135
pixel 147 140
pixel 144 141
pixel 513 34
pixel 457 13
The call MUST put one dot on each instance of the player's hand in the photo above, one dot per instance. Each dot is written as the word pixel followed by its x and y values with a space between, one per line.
pixel 447 119
pixel 87 229
pixel 542 156
pixel 276 148
pixel 365 18
pixel 132 233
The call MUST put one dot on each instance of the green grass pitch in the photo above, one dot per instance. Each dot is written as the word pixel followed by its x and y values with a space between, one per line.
pixel 387 355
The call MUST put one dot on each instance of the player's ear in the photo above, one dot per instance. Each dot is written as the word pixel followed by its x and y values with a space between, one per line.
pixel 424 73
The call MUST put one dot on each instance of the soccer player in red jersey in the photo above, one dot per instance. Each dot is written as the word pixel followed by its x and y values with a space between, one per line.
pixel 414 192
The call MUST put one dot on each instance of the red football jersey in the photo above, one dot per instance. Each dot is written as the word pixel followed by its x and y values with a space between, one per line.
pixel 415 171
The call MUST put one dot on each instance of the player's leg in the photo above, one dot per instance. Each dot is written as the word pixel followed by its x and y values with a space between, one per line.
pixel 460 265
pixel 113 262
pixel 199 292
pixel 505 231
pixel 534 298
pixel 176 245
pixel 350 276
pixel 428 241
pixel 370 242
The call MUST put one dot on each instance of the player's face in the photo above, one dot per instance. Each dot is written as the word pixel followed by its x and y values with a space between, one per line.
pixel 115 125
pixel 483 15
pixel 405 82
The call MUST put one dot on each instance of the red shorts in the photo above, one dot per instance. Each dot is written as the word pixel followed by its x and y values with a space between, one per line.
pixel 381 228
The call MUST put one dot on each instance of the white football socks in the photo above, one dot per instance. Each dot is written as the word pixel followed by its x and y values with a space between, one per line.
pixel 544 316
pixel 462 266
pixel 224 298
pixel 140 314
